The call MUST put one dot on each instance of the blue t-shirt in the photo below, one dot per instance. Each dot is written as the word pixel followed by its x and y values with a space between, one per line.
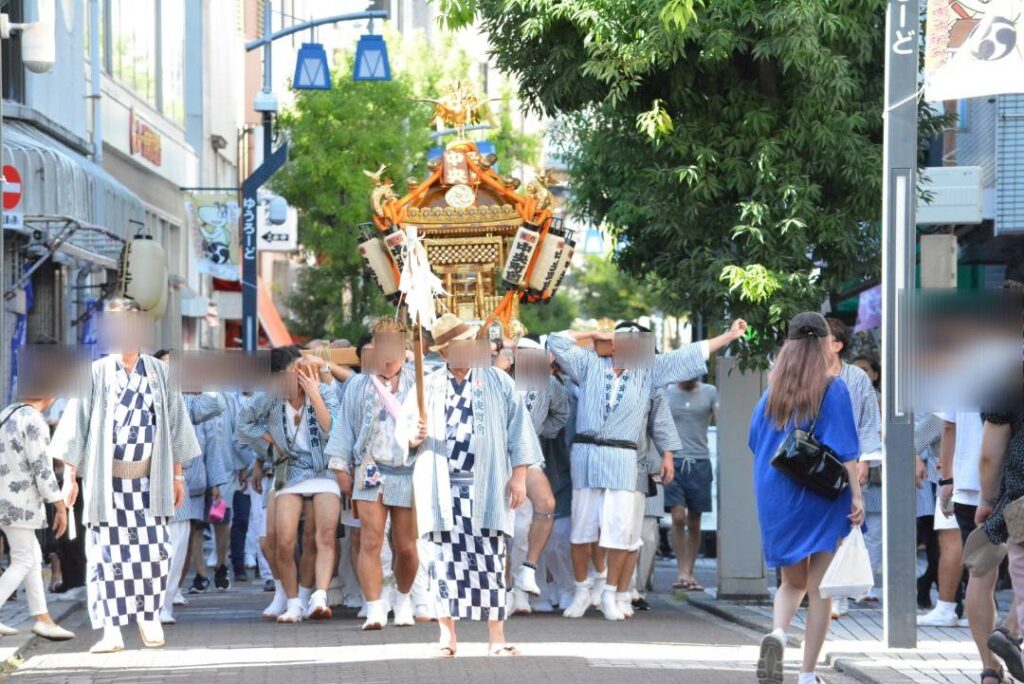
pixel 796 522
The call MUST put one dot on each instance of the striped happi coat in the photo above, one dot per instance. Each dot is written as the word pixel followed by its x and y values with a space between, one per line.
pixel 503 439
pixel 600 467
pixel 82 439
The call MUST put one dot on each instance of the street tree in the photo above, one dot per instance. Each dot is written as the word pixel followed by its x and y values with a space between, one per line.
pixel 733 147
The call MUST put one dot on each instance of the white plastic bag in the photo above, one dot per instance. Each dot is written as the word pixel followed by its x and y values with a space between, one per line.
pixel 849 573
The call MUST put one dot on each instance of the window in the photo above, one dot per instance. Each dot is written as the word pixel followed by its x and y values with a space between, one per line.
pixel 962 115
pixel 13 73
pixel 133 46
pixel 142 47
pixel 172 38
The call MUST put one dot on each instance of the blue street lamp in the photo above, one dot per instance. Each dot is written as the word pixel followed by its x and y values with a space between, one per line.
pixel 311 70
pixel 372 59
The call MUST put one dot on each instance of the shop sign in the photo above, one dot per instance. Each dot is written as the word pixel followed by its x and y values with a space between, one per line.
pixel 143 140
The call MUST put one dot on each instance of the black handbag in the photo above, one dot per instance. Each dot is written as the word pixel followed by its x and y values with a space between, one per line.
pixel 810 463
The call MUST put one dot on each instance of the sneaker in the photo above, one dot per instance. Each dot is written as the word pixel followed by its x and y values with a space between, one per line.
pixel 269 585
pixel 1008 650
pixel 293 614
pixel 167 617
pixel 8 631
pixel 641 604
pixel 525 580
pixel 769 663
pixel 179 599
pixel 579 604
pixel 221 579
pixel 519 603
pixel 942 615
pixel 610 606
pixel 318 608
pixel 241 575
pixel 404 614
pixel 199 585
pixel 376 616
pixel 840 607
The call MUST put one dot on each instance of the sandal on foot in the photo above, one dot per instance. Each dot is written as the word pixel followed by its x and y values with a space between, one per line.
pixel 989 673
pixel 1002 643
pixel 505 651
pixel 446 652
pixel 681 584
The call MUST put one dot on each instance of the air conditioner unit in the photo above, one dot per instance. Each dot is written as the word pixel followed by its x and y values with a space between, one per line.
pixel 956 195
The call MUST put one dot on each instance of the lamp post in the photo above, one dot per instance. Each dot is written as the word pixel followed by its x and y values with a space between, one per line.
pixel 311 72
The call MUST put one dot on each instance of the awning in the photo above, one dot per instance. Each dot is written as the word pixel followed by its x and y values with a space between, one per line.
pixel 270 319
pixel 57 181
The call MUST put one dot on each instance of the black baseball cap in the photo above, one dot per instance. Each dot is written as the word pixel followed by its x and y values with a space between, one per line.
pixel 808 324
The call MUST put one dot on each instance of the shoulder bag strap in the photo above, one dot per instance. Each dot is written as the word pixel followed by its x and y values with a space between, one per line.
pixel 821 402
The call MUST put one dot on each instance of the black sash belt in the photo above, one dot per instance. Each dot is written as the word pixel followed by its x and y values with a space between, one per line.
pixel 614 443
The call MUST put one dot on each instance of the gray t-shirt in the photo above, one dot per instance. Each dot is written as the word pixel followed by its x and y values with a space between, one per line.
pixel 691 412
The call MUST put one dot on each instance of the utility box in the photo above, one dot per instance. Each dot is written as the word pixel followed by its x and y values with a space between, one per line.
pixel 938 261
pixel 956 195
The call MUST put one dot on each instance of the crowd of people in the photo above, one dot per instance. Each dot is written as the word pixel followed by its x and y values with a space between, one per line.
pixel 970 480
pixel 484 491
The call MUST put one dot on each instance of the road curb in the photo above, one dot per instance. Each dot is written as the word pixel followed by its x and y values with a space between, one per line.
pixel 737 615
pixel 29 639
pixel 851 666
pixel 841 663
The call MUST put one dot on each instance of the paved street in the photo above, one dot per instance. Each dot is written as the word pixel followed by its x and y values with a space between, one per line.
pixel 220 638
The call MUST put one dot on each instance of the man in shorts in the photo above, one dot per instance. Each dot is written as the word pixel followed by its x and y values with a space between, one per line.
pixel 688 496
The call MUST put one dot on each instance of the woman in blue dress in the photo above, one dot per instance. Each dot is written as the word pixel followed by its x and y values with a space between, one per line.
pixel 800 530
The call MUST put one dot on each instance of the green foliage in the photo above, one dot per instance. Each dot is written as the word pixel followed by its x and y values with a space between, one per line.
pixel 552 316
pixel 334 136
pixel 605 291
pixel 733 147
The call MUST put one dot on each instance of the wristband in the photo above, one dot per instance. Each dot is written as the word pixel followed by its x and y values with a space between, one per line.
pixel 945 481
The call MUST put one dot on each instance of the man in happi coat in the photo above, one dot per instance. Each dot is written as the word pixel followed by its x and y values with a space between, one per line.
pixel 377 472
pixel 128 437
pixel 473 451
pixel 547 402
pixel 610 422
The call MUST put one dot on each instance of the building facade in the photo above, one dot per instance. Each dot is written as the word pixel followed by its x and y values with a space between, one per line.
pixel 99 161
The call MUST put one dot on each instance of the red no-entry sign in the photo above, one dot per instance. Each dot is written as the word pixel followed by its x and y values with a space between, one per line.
pixel 12 187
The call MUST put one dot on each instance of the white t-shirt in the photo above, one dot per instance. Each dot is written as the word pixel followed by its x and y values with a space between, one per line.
pixel 300 436
pixel 966 457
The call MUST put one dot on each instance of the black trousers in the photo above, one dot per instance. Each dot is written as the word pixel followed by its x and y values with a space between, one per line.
pixel 240 507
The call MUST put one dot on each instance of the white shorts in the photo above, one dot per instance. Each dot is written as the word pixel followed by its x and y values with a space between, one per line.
pixel 312 487
pixel 611 517
pixel 941 521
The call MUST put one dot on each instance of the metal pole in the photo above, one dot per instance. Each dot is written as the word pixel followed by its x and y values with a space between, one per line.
pixel 3 254
pixel 271 162
pixel 898 240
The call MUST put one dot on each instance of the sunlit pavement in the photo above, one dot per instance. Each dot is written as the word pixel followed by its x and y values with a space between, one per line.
pixel 220 638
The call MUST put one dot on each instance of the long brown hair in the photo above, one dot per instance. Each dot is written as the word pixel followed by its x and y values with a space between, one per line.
pixel 798 380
